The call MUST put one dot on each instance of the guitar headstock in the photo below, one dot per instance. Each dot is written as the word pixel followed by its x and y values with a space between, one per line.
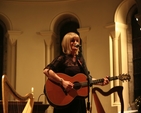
pixel 124 77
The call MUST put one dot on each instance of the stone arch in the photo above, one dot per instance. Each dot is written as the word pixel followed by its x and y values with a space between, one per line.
pixel 122 11
pixel 118 43
pixel 10 37
pixel 130 53
pixel 6 21
pixel 67 16
pixel 6 25
pixel 56 25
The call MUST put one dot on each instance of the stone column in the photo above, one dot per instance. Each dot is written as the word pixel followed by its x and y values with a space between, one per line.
pixel 115 39
pixel 83 34
pixel 11 55
pixel 48 37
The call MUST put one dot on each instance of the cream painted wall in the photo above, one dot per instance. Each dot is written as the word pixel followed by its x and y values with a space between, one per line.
pixel 33 17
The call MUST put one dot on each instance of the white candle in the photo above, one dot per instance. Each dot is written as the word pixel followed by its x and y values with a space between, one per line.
pixel 32 89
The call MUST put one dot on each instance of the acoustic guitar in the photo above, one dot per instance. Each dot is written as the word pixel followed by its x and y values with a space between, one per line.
pixel 58 97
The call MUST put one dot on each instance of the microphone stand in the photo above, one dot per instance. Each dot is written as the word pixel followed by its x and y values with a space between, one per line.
pixel 89 80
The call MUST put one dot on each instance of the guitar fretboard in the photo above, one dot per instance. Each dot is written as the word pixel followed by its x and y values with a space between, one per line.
pixel 84 84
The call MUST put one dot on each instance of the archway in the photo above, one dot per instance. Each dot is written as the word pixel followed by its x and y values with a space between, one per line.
pixel 5 25
pixel 119 56
pixel 63 23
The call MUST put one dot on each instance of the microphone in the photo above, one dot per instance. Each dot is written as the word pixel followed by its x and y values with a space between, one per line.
pixel 77 45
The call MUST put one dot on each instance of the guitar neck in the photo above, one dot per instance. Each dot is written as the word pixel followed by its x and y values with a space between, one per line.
pixel 101 80
pixel 93 82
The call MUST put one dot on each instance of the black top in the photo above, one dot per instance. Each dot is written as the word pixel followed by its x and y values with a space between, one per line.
pixel 64 64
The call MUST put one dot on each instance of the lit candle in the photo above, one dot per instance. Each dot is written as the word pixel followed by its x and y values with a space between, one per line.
pixel 32 89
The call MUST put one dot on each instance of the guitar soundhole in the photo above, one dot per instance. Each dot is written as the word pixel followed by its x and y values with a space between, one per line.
pixel 77 85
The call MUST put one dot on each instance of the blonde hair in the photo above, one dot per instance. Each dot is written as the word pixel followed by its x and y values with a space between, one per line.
pixel 66 48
